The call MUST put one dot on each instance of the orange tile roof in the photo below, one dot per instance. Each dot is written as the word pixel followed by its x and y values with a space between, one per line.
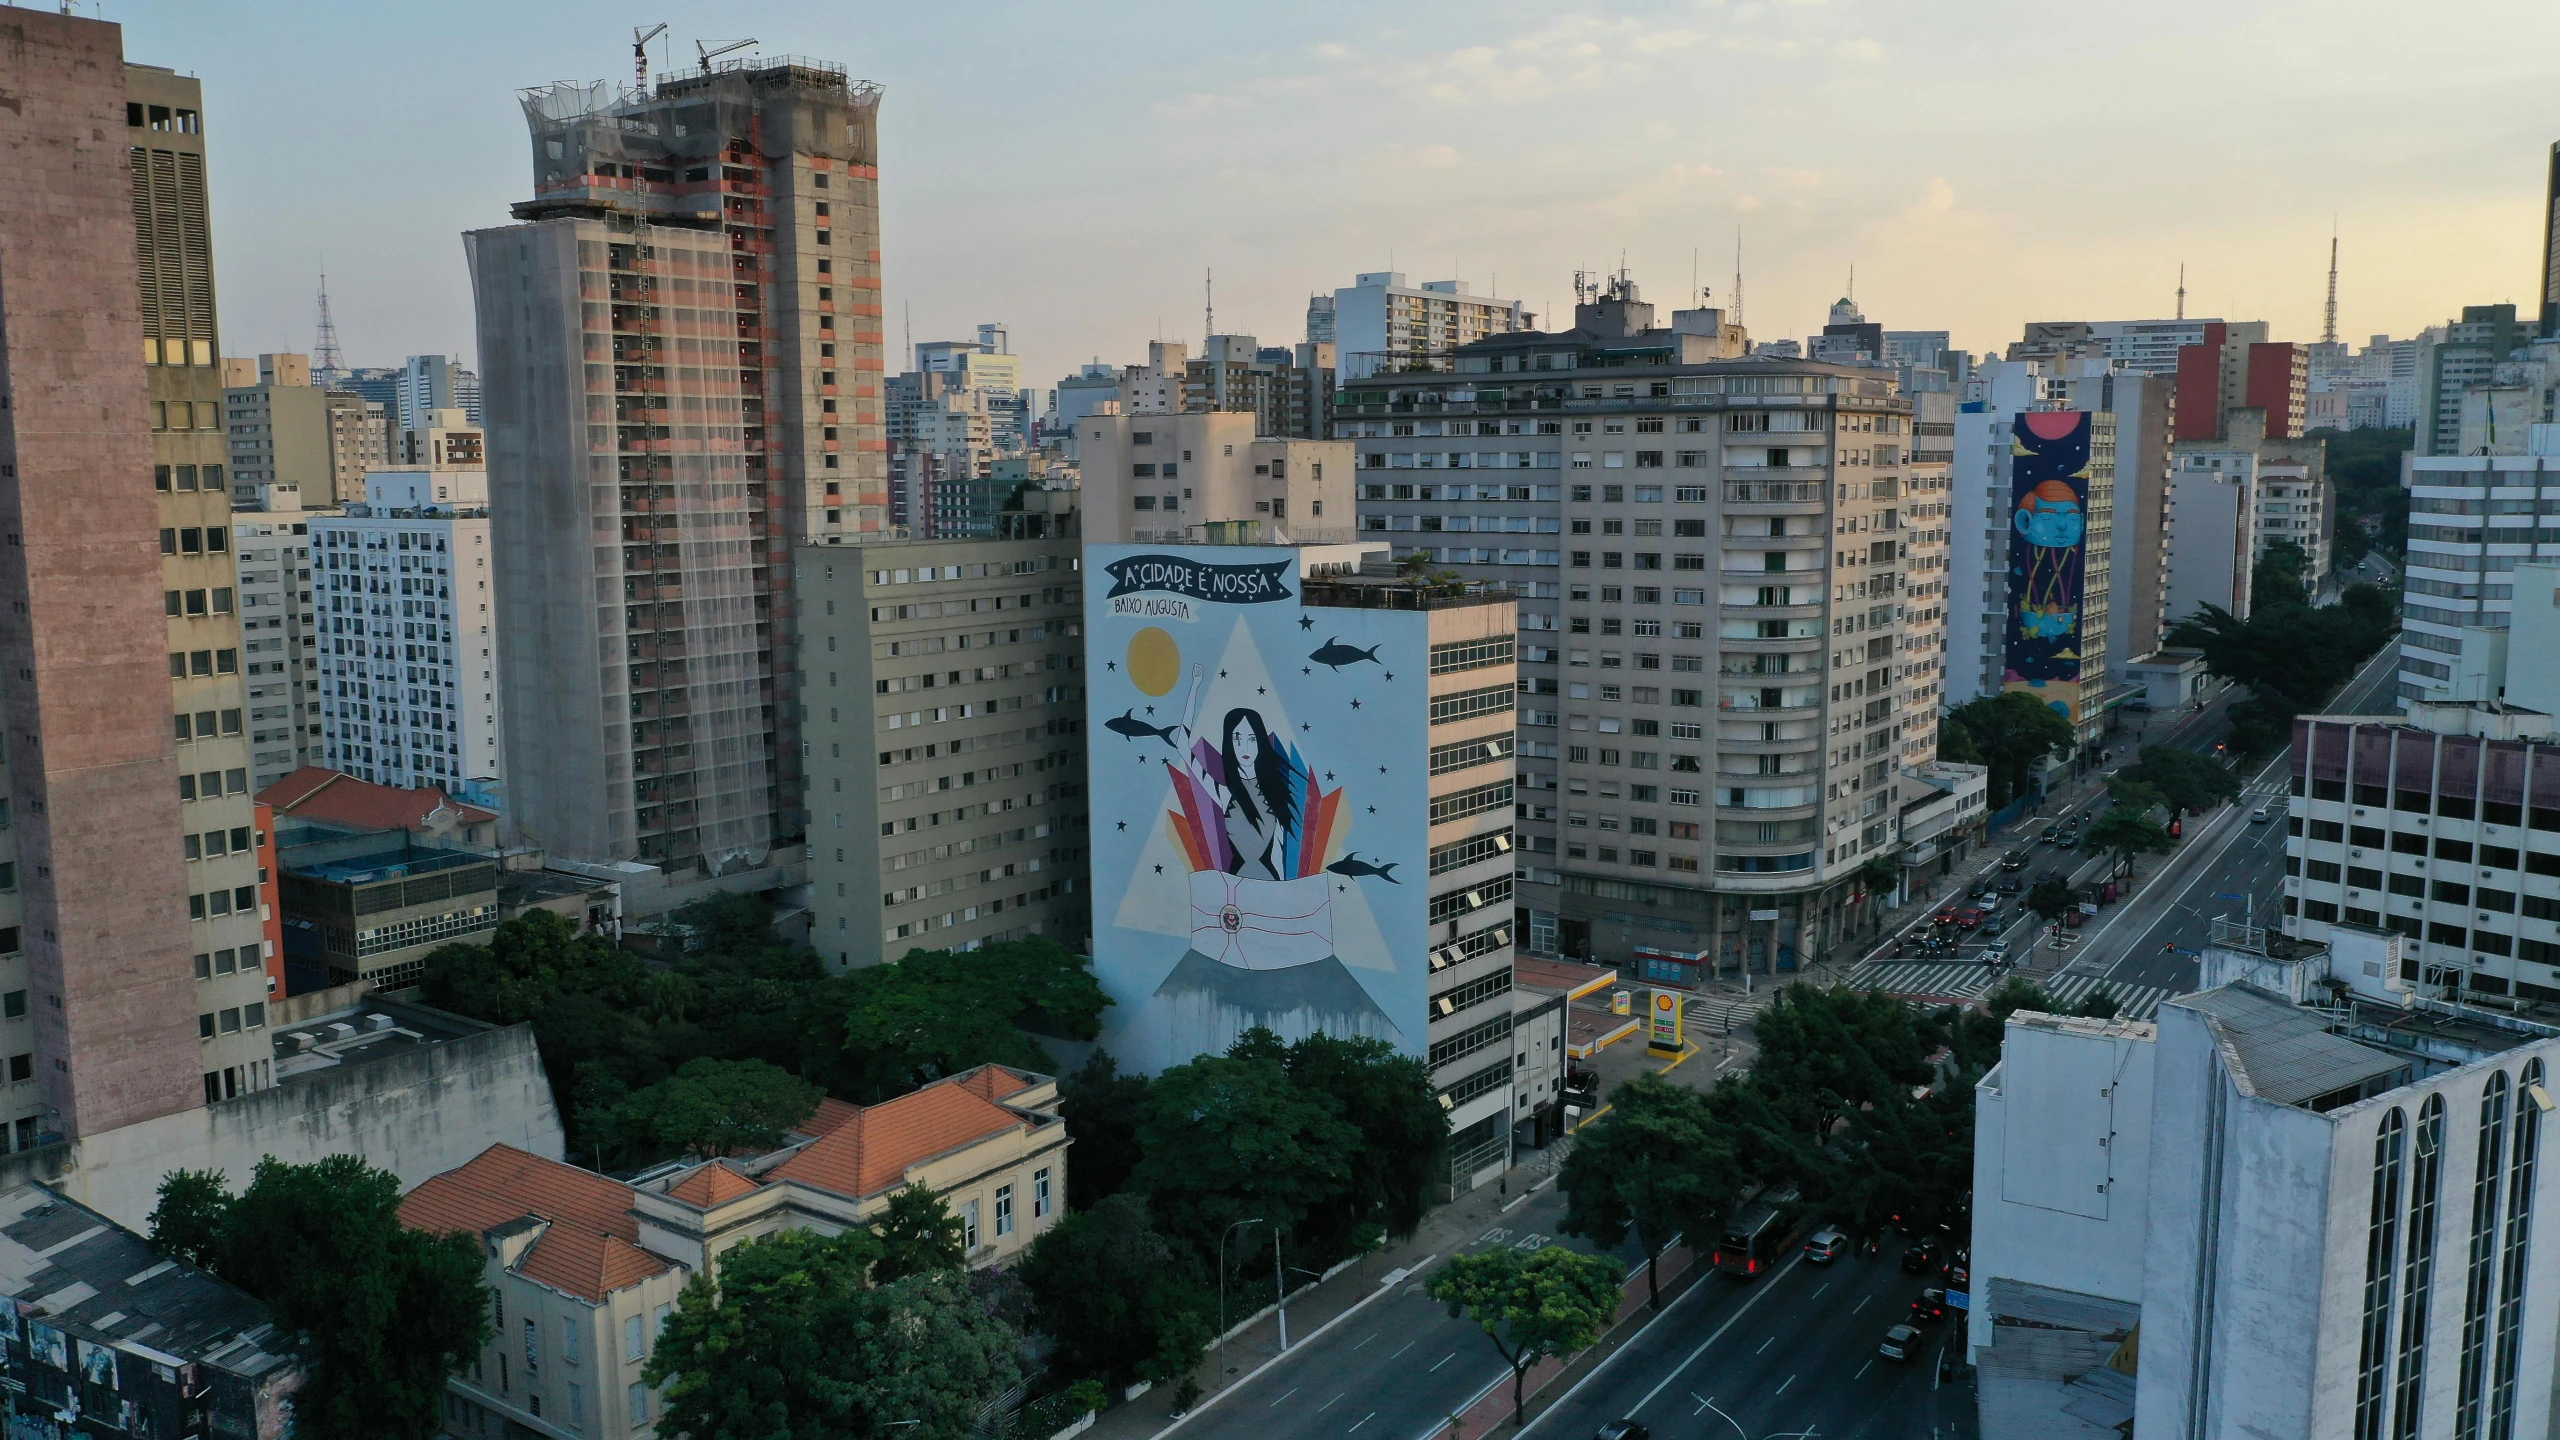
pixel 831 1113
pixel 869 1151
pixel 591 1248
pixel 992 1082
pixel 312 793
pixel 712 1184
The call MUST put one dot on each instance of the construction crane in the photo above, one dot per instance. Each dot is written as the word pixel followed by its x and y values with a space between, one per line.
pixel 711 54
pixel 640 51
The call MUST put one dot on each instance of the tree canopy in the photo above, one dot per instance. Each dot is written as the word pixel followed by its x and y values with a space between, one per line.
pixel 791 1344
pixel 2168 775
pixel 712 1108
pixel 2011 733
pixel 917 1234
pixel 1657 1164
pixel 1532 1307
pixel 391 1312
pixel 1121 1300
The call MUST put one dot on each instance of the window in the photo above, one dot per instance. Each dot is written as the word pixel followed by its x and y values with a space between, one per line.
pixel 2522 1153
pixel 1004 1211
pixel 2477 1284
pixel 639 1403
pixel 969 1228
pixel 2417 1271
pixel 1039 1194
pixel 2381 1257
pixel 577 1406
pixel 569 1347
pixel 634 1347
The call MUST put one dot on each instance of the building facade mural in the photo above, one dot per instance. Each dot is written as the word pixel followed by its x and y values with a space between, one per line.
pixel 2048 554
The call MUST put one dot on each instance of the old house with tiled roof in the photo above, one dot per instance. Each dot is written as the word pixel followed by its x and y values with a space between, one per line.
pixel 587 1267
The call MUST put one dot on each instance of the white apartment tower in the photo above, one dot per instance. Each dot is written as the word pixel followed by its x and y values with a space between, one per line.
pixel 1379 322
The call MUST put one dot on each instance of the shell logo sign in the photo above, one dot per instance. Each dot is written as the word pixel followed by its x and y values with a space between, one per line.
pixel 1662 1032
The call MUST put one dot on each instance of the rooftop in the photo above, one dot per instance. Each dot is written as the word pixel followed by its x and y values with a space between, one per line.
pixel 378 1029
pixel 588 1243
pixel 328 797
pixel 394 864
pixel 2287 1055
pixel 84 1273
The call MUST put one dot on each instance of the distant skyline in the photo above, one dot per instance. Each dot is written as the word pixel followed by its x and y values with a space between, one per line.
pixel 1072 172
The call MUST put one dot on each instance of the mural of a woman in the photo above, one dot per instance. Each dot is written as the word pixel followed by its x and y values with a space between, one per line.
pixel 1256 828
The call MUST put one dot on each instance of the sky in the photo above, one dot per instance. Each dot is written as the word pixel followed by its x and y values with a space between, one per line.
pixel 1073 170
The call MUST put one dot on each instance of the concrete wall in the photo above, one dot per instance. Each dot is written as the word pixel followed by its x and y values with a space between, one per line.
pixel 2209 514
pixel 2062 1161
pixel 417 1115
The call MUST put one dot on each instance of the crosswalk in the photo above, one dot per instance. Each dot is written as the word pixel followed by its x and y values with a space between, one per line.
pixel 1922 979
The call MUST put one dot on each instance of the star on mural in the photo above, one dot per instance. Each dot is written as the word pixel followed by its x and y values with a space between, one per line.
pixel 1355 704
pixel 1222 674
pixel 1151 709
pixel 1110 664
pixel 1124 824
pixel 1382 769
pixel 1261 690
pixel 1391 674
pixel 1159 869
pixel 1373 809
pixel 1303 727
pixel 1306 622
pixel 1328 774
pixel 1306 669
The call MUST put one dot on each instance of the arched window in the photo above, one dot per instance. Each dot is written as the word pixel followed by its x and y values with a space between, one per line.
pixel 2381 1255
pixel 2479 1260
pixel 2417 1270
pixel 2522 1148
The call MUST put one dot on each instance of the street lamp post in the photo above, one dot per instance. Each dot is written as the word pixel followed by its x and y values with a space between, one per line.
pixel 1222 1290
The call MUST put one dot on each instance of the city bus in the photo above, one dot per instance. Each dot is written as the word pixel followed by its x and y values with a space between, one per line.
pixel 1761 1232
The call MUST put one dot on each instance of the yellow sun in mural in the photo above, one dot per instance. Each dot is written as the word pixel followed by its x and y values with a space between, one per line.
pixel 1155 662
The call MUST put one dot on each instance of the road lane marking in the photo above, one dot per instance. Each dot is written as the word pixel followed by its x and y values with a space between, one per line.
pixel 1863 1369
pixel 1861 1305
pixel 1632 1341
pixel 1372 1336
pixel 1765 1344
pixel 1443 1360
pixel 1329 1404
pixel 1825 1286
pixel 1702 1403
pixel 1291 1391
pixel 1409 1344
pixel 1782 1389
pixel 1363 1420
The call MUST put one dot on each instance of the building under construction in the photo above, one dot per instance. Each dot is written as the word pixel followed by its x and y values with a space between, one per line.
pixel 682 355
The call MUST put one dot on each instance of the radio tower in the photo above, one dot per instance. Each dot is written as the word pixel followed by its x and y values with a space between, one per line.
pixel 1737 275
pixel 2182 289
pixel 2329 321
pixel 327 365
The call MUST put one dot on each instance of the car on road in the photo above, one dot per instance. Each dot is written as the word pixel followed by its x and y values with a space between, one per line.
pixel 1981 892
pixel 1944 917
pixel 1828 1244
pixel 2014 861
pixel 2263 813
pixel 1924 1254
pixel 2010 885
pixel 1970 917
pixel 1958 1276
pixel 1902 1342
pixel 1929 1306
pixel 1623 1430
pixel 2050 831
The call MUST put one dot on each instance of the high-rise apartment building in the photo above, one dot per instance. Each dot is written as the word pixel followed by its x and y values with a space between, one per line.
pixel 947 746
pixel 715 238
pixel 278 640
pixel 2472 522
pixel 1380 323
pixel 1714 618
pixel 405 664
pixel 1290 392
pixel 988 366
pixel 2232 496
pixel 1205 475
pixel 2467 353
pixel 112 455
pixel 2149 347
pixel 2235 367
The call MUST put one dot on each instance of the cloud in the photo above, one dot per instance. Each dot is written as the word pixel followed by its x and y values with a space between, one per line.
pixel 1637 200
pixel 1793 178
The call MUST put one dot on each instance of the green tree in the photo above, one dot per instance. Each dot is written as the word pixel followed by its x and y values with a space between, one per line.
pixel 2052 898
pixel 187 1223
pixel 792 1345
pixel 2182 778
pixel 2126 833
pixel 1533 1307
pixel 883 1030
pixel 1103 1109
pixel 390 1312
pixel 1229 1137
pixel 2017 993
pixel 2281 574
pixel 718 1107
pixel 1119 1298
pixel 2099 1004
pixel 582 996
pixel 918 1233
pixel 2364 475
pixel 2011 732
pixel 1389 1102
pixel 1657 1163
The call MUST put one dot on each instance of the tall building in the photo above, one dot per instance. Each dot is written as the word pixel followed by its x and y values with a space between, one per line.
pixel 1380 323
pixel 127 737
pixel 2468 353
pixel 2148 347
pixel 643 571
pixel 2230 497
pixel 947 798
pixel 2550 328
pixel 425 385
pixel 1928 525
pixel 1205 475
pixel 1290 392
pixel 1709 556
pixel 987 366
pixel 1304 814
pixel 405 665
pixel 279 639
pixel 2235 367
pixel 2468 531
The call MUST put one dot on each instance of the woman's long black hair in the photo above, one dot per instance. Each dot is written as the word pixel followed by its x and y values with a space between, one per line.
pixel 1274 778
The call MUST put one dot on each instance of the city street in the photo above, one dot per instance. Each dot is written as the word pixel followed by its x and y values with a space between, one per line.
pixel 1789 1354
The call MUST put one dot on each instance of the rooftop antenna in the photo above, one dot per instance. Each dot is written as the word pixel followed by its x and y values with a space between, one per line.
pixel 714 53
pixel 324 346
pixel 1852 296
pixel 1209 307
pixel 2329 323
pixel 1737 275
pixel 1697 296
pixel 2182 289
pixel 640 52
pixel 911 336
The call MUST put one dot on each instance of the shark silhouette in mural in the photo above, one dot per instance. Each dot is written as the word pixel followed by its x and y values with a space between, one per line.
pixel 1355 867
pixel 1335 654
pixel 1127 723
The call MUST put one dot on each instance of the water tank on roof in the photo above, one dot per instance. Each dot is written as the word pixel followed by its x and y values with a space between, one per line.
pixel 377 1021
